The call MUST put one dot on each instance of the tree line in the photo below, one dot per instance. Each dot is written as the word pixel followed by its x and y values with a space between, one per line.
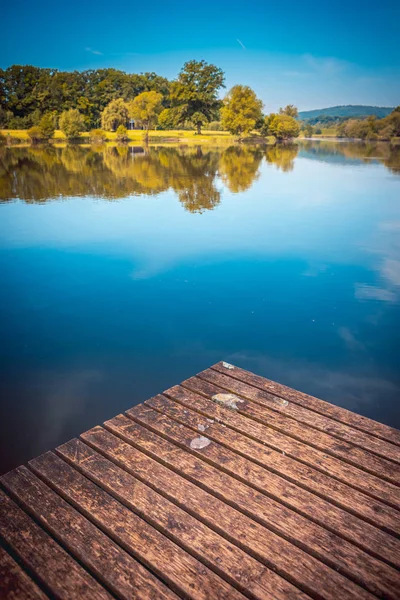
pixel 106 99
pixel 371 128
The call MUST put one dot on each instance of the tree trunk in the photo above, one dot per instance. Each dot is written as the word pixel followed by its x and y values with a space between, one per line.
pixel 198 128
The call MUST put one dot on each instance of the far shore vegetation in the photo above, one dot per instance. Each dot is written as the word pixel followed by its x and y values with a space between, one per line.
pixel 40 105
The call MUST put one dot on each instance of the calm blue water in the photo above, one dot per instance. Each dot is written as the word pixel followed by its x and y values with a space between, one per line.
pixel 124 274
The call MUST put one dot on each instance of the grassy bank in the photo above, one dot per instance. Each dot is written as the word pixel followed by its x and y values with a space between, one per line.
pixel 156 137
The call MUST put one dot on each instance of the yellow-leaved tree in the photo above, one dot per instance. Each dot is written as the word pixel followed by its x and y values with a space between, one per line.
pixel 145 108
pixel 241 110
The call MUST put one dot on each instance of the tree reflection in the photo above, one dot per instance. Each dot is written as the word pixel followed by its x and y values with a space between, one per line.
pixel 346 152
pixel 282 156
pixel 239 167
pixel 37 174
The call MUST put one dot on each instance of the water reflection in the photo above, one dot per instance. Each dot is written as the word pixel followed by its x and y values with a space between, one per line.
pixel 296 276
pixel 39 174
pixel 353 153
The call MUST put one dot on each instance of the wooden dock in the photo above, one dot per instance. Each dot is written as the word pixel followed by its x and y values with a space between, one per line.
pixel 226 486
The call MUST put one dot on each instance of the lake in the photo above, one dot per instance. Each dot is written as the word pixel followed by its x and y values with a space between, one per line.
pixel 125 272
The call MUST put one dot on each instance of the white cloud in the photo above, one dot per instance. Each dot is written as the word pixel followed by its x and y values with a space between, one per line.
pixel 97 52
pixel 371 292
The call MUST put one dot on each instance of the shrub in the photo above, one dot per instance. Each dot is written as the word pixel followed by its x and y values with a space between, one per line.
pixel 20 122
pixel 97 136
pixel 3 139
pixel 122 134
pixel 47 125
pixel 35 134
pixel 215 126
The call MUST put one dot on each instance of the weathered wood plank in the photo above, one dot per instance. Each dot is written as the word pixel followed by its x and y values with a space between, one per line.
pixel 116 568
pixel 54 567
pixel 338 521
pixel 220 512
pixel 172 564
pixel 298 442
pixel 304 415
pixel 327 546
pixel 320 406
pixel 229 561
pixel 15 583
pixel 249 438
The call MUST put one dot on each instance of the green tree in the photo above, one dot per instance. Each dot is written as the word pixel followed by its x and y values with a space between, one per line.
pixel 47 125
pixel 122 134
pixel 145 108
pixel 341 130
pixel 166 119
pixel 241 110
pixel 290 110
pixel 71 123
pixel 115 113
pixel 194 94
pixel 282 127
pixel 308 130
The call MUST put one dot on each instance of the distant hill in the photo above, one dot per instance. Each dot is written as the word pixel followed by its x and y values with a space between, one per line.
pixel 345 112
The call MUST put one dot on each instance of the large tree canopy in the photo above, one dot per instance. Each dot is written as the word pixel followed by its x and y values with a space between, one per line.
pixel 26 92
pixel 71 123
pixel 281 126
pixel 145 108
pixel 241 110
pixel 114 114
pixel 194 95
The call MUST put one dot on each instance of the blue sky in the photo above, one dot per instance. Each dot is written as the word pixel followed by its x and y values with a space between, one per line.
pixel 312 54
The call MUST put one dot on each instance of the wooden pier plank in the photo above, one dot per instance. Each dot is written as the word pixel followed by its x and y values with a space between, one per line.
pixel 320 406
pixel 229 561
pixel 284 457
pixel 111 564
pixel 226 486
pixel 237 504
pixel 306 503
pixel 15 584
pixel 304 415
pixel 312 447
pixel 171 563
pixel 215 474
pixel 52 565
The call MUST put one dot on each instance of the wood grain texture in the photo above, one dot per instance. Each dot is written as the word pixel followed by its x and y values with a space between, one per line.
pixel 320 406
pixel 225 517
pixel 233 564
pixel 15 584
pixel 54 567
pixel 305 416
pixel 281 455
pixel 338 521
pixel 115 567
pixel 325 545
pixel 172 564
pixel 280 434
pixel 226 486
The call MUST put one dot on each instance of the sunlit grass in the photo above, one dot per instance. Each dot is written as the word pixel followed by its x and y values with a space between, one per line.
pixel 156 136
